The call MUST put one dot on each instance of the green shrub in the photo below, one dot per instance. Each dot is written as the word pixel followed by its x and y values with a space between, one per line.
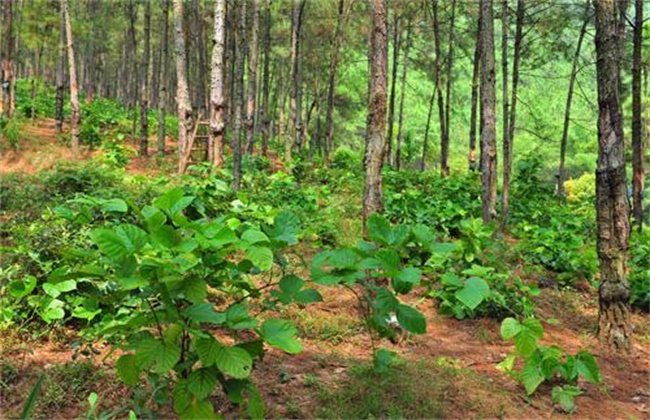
pixel 346 158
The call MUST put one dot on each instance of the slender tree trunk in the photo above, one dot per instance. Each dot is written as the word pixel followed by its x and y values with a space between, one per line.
pixel 146 71
pixel 400 131
pixel 252 78
pixel 637 123
pixel 266 47
pixel 516 61
pixel 425 146
pixel 8 60
pixel 282 117
pixel 295 101
pixel 240 110
pixel 162 98
pixel 488 124
pixel 197 26
pixel 60 78
pixel 182 92
pixel 393 83
pixel 561 176
pixel 474 101
pixel 613 229
pixel 328 144
pixel 74 90
pixel 507 146
pixel 217 124
pixel 450 75
pixel 376 126
pixel 444 139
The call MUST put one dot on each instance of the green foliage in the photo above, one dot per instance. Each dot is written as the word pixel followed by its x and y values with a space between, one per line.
pixel 546 364
pixel 372 264
pixel 345 158
pixel 582 189
pixel 11 131
pixel 640 270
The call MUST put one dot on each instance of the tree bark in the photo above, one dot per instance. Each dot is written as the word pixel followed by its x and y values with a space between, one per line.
pixel 613 229
pixel 295 94
pixel 74 90
pixel 400 131
pixel 471 158
pixel 182 93
pixel 507 146
pixel 239 93
pixel 516 61
pixel 450 77
pixel 144 95
pixel 561 175
pixel 444 139
pixel 162 98
pixel 425 146
pixel 393 84
pixel 217 124
pixel 8 60
pixel 488 123
pixel 637 123
pixel 328 144
pixel 266 47
pixel 60 78
pixel 376 125
pixel 252 78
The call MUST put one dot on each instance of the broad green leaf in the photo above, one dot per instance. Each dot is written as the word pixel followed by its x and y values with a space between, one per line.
pixel 199 410
pixel 153 217
pixel 134 237
pixel 411 319
pixel 261 256
pixel 406 280
pixel 153 352
pixel 114 205
pixel 110 243
pixel 202 382
pixel 531 378
pixel 565 396
pixel 255 403
pixel 207 349
pixel 18 289
pixel 234 362
pixel 473 292
pixel 55 290
pixel 254 236
pixel 534 327
pixel 508 363
pixel 196 290
pixel 451 279
pixel 204 312
pixel 291 284
pixel 286 226
pixel 510 327
pixel 237 318
pixel 379 229
pixel 308 296
pixel 587 367
pixel 386 301
pixel 127 369
pixel 281 334
pixel 53 311
pixel 223 237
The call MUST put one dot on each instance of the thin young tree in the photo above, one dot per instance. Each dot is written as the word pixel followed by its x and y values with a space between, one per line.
pixel 240 111
pixel 400 118
pixel 146 70
pixel 376 123
pixel 613 228
pixel 60 78
pixel 72 71
pixel 252 77
pixel 444 139
pixel 183 104
pixel 561 176
pixel 295 93
pixel 488 120
pixel 397 40
pixel 507 146
pixel 162 96
pixel 217 124
pixel 8 60
pixel 471 158
pixel 637 123
pixel 264 109
pixel 450 76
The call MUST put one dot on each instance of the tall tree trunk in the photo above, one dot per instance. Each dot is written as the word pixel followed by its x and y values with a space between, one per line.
pixel 400 131
pixel 425 146
pixel 240 53
pixel 295 94
pixel 60 78
pixel 217 124
pixel 561 176
pixel 266 48
pixel 146 72
pixel 376 125
pixel 450 74
pixel 474 101
pixel 182 92
pixel 613 229
pixel 162 99
pixel 201 80
pixel 444 140
pixel 328 143
pixel 8 60
pixel 516 61
pixel 507 147
pixel 637 123
pixel 282 85
pixel 393 83
pixel 488 124
pixel 252 78
pixel 74 90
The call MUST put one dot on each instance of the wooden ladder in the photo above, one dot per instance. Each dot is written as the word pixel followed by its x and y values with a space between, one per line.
pixel 197 147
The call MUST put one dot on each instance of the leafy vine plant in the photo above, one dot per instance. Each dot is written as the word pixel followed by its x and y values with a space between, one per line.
pixel 176 293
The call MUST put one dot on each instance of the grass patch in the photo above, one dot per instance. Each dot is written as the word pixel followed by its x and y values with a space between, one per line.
pixel 331 327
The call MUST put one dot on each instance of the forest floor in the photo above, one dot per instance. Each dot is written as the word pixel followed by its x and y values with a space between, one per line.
pixel 451 371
